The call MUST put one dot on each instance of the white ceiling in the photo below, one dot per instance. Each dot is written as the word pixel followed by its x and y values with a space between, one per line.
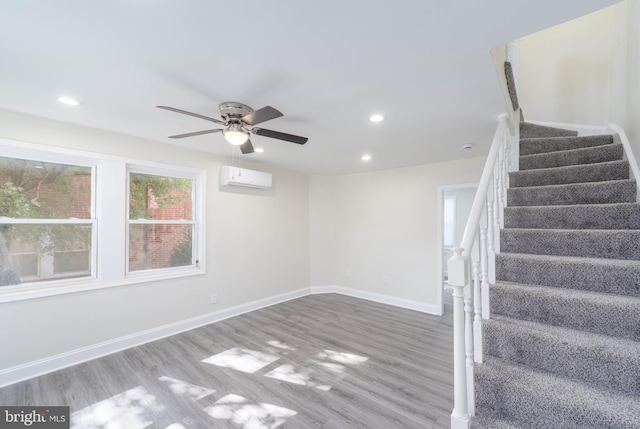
pixel 327 65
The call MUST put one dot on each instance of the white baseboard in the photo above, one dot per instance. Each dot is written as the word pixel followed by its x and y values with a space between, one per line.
pixel 383 299
pixel 53 363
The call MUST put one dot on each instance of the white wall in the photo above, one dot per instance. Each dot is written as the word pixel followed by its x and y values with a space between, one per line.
pixel 586 71
pixel 257 247
pixel 386 224
pixel 322 227
pixel 305 231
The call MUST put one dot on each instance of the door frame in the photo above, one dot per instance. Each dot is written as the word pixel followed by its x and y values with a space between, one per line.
pixel 440 241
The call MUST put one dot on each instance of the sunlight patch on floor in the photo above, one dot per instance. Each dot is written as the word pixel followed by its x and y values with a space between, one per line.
pixel 346 358
pixel 336 368
pixel 280 345
pixel 131 409
pixel 289 374
pixel 180 387
pixel 244 360
pixel 247 414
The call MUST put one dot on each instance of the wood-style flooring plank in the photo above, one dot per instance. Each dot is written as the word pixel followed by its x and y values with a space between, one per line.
pixel 322 361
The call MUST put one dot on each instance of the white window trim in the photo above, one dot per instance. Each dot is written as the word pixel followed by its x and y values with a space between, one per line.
pixel 109 209
pixel 195 221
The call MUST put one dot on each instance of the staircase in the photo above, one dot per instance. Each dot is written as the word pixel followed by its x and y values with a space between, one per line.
pixel 562 347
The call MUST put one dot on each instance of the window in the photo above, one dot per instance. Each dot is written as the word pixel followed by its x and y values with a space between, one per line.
pixel 161 222
pixel 73 221
pixel 46 222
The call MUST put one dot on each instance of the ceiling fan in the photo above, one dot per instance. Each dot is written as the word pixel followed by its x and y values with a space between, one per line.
pixel 239 120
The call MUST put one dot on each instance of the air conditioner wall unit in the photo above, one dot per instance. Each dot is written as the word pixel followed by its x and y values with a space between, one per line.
pixel 235 176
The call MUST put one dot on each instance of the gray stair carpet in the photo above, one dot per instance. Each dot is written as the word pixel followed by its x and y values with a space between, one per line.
pixel 532 146
pixel 562 347
pixel 602 171
pixel 529 130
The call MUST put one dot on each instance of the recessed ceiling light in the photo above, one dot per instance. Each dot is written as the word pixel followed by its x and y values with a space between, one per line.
pixel 69 101
pixel 258 150
pixel 376 118
pixel 366 157
pixel 467 146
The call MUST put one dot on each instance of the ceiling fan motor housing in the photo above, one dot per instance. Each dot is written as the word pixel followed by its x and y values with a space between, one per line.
pixel 232 111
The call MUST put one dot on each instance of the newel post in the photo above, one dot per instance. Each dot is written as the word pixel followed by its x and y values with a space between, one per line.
pixel 458 270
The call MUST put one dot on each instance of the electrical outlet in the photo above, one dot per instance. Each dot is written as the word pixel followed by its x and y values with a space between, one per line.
pixel 214 298
pixel 347 273
pixel 385 279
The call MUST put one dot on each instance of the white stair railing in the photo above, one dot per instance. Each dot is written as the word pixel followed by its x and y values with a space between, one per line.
pixel 472 267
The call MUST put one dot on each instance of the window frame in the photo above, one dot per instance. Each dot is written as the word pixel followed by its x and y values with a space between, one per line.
pixel 194 221
pixel 109 220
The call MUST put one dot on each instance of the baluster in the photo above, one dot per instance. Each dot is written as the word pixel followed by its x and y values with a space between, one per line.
pixel 468 322
pixel 491 238
pixel 496 217
pixel 457 281
pixel 503 190
pixel 484 292
pixel 505 165
pixel 507 155
pixel 515 145
pixel 477 311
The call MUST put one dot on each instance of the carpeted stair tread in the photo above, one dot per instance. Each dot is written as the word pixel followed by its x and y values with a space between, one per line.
pixel 598 360
pixel 596 243
pixel 609 192
pixel 530 130
pixel 562 346
pixel 544 401
pixel 592 274
pixel 485 419
pixel 602 171
pixel 608 152
pixel 551 144
pixel 591 216
pixel 600 313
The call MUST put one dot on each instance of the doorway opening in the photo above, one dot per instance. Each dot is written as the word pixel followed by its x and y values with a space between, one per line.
pixel 454 202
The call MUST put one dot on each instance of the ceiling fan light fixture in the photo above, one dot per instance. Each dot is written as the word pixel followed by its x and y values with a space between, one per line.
pixel 235 135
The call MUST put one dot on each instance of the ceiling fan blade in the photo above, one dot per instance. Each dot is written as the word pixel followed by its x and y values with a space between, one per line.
pixel 184 112
pixel 261 115
pixel 246 147
pixel 195 133
pixel 280 136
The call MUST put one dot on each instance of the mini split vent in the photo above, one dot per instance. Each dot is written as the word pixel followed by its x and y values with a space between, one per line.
pixel 234 176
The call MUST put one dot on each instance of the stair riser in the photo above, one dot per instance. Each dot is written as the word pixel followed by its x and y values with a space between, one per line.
pixel 621 191
pixel 618 216
pixel 528 130
pixel 617 369
pixel 554 144
pixel 599 314
pixel 589 243
pixel 617 277
pixel 616 170
pixel 612 152
pixel 536 407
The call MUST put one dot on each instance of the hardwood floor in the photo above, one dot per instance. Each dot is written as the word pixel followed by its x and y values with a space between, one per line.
pixel 321 361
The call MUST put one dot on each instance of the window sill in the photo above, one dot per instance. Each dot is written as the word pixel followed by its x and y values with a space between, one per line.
pixel 84 285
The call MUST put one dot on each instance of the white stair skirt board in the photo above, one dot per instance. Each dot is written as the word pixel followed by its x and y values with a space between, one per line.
pixel 63 360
